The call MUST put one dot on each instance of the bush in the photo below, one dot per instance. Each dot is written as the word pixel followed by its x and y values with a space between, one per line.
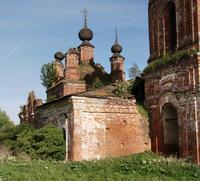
pixel 43 143
pixel 97 83
pixel 6 127
pixel 124 89
pixel 48 143
pixel 168 59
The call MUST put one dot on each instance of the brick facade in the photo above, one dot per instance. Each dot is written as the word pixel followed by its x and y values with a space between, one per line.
pixel 97 127
pixel 97 123
pixel 172 92
pixel 187 25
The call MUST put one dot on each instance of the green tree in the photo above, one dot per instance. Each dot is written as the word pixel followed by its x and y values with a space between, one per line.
pixel 134 71
pixel 5 121
pixel 48 75
pixel 6 127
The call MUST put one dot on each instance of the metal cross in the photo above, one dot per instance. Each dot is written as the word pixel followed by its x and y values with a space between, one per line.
pixel 85 12
pixel 116 35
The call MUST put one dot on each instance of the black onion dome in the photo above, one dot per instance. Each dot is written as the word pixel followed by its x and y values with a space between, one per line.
pixel 116 48
pixel 85 34
pixel 59 56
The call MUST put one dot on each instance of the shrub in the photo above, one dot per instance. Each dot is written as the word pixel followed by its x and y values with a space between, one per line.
pixel 48 143
pixel 43 143
pixel 97 83
pixel 6 127
pixel 124 89
pixel 168 59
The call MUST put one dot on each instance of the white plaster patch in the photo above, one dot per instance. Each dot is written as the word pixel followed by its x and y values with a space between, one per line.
pixel 167 78
pixel 90 138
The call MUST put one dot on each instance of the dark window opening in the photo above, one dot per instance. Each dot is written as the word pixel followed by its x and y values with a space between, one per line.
pixel 170 25
pixel 64 133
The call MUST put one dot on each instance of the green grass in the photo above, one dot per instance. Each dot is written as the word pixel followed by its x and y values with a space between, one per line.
pixel 143 112
pixel 144 167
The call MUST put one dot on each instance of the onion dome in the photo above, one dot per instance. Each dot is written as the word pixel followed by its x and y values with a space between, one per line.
pixel 116 48
pixel 85 34
pixel 59 56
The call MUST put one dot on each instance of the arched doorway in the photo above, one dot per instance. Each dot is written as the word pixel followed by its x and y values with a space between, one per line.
pixel 170 130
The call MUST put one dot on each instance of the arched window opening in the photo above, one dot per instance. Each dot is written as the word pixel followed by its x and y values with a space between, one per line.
pixel 170 26
pixel 170 130
pixel 64 133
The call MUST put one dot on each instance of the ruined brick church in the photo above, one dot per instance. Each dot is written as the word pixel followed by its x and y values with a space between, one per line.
pixel 96 122
pixel 172 83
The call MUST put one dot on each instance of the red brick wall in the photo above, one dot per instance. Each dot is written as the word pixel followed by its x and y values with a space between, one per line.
pixel 66 88
pixel 117 68
pixel 187 25
pixel 97 127
pixel 86 54
pixel 107 128
pixel 177 84
pixel 71 67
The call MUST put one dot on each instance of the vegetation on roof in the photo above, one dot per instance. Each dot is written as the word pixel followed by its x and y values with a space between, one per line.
pixel 124 89
pixel 168 59
pixel 94 75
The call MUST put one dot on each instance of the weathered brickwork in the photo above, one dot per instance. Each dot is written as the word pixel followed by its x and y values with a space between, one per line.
pixel 187 25
pixel 175 85
pixel 87 54
pixel 96 123
pixel 172 92
pixel 97 127
pixel 65 88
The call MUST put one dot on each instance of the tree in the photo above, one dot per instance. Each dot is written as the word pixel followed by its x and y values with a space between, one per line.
pixel 48 75
pixel 134 71
pixel 6 127
pixel 5 121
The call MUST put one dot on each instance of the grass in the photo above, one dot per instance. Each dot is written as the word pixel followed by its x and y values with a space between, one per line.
pixel 144 167
pixel 141 109
pixel 168 59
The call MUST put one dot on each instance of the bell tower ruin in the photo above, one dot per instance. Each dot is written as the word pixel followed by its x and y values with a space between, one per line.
pixel 172 77
pixel 117 62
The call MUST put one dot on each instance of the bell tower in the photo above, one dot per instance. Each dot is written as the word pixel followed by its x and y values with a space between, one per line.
pixel 117 61
pixel 172 77
pixel 173 25
pixel 86 48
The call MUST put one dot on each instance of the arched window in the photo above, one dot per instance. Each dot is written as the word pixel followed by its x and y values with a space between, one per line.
pixel 170 27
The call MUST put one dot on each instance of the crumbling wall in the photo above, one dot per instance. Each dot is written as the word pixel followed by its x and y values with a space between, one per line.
pixel 178 85
pixel 107 127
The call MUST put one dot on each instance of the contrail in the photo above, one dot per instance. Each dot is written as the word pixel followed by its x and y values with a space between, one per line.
pixel 13 51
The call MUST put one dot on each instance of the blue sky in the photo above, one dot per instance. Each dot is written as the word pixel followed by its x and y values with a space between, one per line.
pixel 31 31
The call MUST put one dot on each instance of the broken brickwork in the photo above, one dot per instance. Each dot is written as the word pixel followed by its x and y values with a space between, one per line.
pixel 172 92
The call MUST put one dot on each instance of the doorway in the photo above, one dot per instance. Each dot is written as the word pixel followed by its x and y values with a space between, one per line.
pixel 170 130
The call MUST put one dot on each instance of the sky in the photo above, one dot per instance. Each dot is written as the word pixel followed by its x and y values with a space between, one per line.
pixel 31 31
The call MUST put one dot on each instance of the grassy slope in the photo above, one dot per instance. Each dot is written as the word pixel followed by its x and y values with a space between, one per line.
pixel 144 167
